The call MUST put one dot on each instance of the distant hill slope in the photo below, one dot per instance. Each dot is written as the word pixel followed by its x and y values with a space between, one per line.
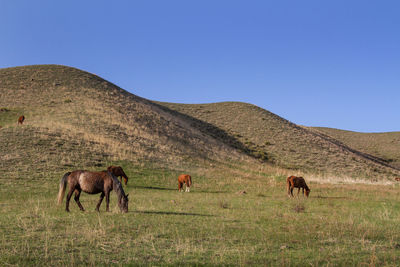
pixel 75 119
pixel 284 143
pixel 382 145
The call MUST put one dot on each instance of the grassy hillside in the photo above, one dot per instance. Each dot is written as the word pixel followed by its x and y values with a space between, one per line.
pixel 382 145
pixel 85 115
pixel 71 113
pixel 269 136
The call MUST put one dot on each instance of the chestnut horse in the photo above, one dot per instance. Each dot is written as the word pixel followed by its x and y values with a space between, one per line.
pixel 21 119
pixel 397 179
pixel 118 172
pixel 92 183
pixel 298 182
pixel 184 178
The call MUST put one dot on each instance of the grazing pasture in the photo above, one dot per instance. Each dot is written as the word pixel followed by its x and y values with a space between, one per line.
pixel 343 224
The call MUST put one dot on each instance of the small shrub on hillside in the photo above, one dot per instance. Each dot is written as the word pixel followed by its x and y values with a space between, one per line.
pixel 261 155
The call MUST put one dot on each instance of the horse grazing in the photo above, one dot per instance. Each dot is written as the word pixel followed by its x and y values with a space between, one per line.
pixel 118 172
pixel 92 183
pixel 21 119
pixel 184 178
pixel 298 182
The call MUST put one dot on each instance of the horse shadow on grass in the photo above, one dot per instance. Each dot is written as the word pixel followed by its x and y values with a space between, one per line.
pixel 175 189
pixel 210 192
pixel 172 213
pixel 155 188
pixel 326 197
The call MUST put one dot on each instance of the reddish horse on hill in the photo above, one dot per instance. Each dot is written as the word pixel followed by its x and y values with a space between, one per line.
pixel 296 182
pixel 118 172
pixel 21 119
pixel 92 183
pixel 184 178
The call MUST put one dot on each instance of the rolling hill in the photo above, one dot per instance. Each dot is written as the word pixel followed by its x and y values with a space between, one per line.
pixel 75 119
pixel 286 144
pixel 385 146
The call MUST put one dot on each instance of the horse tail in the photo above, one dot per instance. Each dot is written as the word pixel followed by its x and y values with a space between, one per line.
pixel 63 186
pixel 124 175
pixel 288 184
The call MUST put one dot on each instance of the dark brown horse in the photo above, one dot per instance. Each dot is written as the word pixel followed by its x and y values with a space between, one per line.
pixel 298 182
pixel 118 172
pixel 92 183
pixel 21 119
pixel 184 178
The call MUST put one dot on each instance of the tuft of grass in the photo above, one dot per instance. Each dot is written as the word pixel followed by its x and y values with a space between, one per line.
pixel 224 205
pixel 299 207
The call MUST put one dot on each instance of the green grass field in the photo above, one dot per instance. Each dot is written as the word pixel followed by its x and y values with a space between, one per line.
pixel 345 225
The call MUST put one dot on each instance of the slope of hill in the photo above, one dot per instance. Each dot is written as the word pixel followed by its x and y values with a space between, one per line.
pixel 75 119
pixel 284 143
pixel 382 145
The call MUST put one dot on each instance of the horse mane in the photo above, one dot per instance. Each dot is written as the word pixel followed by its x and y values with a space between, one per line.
pixel 117 186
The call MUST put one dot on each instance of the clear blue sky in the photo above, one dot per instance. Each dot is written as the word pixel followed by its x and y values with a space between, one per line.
pixel 327 63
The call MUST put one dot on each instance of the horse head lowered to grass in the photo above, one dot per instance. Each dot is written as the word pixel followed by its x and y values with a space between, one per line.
pixel 92 183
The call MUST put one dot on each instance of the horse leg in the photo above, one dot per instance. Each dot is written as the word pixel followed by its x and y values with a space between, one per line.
pixel 291 191
pixel 100 200
pixel 77 195
pixel 298 191
pixel 180 186
pixel 187 187
pixel 69 195
pixel 107 200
